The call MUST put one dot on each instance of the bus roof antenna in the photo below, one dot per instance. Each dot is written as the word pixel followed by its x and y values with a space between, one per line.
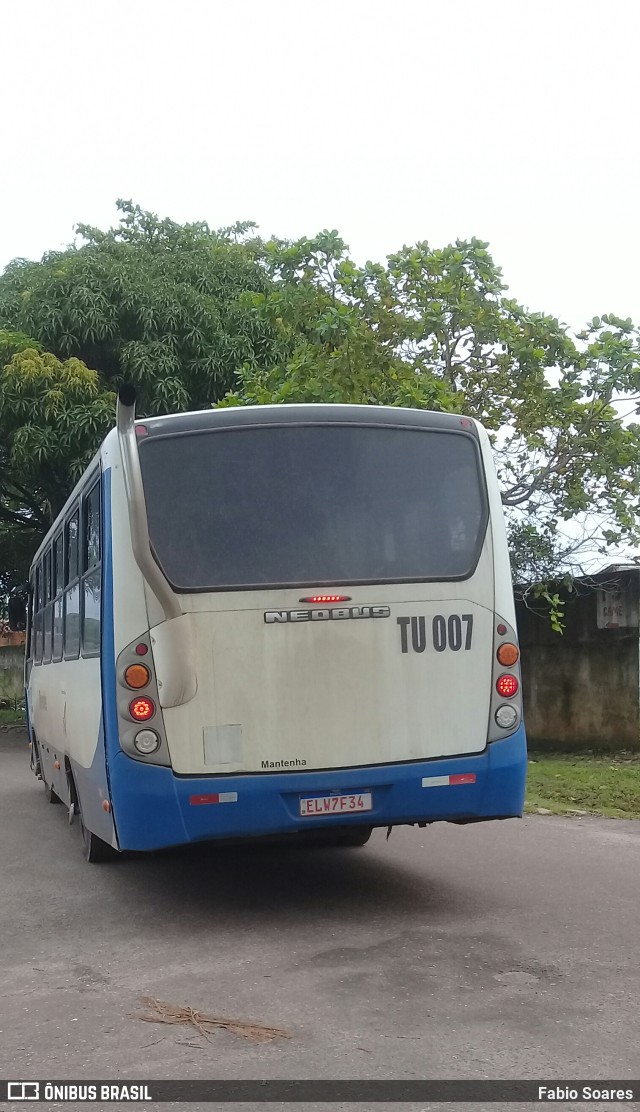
pixel 138 522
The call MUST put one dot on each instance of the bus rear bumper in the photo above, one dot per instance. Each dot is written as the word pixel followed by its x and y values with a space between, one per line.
pixel 153 808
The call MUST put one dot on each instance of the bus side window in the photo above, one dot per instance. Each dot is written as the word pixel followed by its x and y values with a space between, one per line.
pixel 91 578
pixel 72 528
pixel 72 588
pixel 48 608
pixel 57 571
pixel 30 606
pixel 38 616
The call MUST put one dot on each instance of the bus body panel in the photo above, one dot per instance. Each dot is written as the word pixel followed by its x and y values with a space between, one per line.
pixel 154 808
pixel 325 693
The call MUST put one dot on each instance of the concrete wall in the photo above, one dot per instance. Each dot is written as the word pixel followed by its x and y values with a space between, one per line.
pixel 582 688
pixel 11 672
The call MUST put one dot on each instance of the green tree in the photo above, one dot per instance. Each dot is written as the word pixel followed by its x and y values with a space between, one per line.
pixel 52 417
pixel 195 317
pixel 152 302
pixel 434 329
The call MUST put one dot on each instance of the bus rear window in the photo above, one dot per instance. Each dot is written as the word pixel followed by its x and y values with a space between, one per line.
pixel 308 505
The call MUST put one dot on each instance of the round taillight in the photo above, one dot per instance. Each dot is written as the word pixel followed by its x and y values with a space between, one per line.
pixel 507 686
pixel 508 654
pixel 141 709
pixel 142 649
pixel 506 716
pixel 146 741
pixel 137 675
pixel 502 629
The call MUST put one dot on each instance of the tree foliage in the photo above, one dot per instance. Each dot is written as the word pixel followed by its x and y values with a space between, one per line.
pixel 52 416
pixel 434 329
pixel 194 317
pixel 152 302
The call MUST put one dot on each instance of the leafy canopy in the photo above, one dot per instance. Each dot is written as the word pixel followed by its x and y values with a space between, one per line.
pixel 152 302
pixel 194 317
pixel 434 329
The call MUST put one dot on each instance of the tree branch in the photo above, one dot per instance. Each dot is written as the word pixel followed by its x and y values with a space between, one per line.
pixel 17 519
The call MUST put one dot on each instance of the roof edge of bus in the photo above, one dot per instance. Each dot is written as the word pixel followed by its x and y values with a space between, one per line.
pixel 280 406
pixel 283 413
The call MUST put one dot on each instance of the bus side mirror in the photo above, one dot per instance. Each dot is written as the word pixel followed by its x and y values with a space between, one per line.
pixel 17 607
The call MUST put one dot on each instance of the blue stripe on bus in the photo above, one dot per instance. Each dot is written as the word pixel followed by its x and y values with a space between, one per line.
pixel 154 808
pixel 93 788
pixel 107 653
pixel 109 717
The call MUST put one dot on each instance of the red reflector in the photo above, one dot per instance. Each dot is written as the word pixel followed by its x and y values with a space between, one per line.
pixel 466 423
pixel 142 430
pixel 326 598
pixel 142 649
pixel 142 709
pixel 463 778
pixel 195 800
pixel 507 686
pixel 502 629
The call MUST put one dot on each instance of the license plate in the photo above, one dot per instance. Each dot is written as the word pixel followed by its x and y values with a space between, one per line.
pixel 336 804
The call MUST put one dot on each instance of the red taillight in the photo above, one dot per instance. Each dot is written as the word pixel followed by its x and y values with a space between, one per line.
pixel 507 686
pixel 326 598
pixel 142 649
pixel 142 709
pixel 502 629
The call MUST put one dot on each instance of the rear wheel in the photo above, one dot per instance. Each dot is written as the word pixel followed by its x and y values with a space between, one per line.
pixel 94 849
pixel 358 836
pixel 349 836
pixel 50 795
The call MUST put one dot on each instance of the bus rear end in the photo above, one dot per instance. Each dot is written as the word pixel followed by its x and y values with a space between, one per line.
pixel 344 583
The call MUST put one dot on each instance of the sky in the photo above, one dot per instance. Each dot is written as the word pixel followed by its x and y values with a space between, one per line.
pixel 513 121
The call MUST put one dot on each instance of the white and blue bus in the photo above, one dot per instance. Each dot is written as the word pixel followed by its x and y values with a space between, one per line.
pixel 277 620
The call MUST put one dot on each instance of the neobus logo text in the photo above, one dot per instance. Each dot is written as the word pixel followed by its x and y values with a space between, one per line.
pixel 337 614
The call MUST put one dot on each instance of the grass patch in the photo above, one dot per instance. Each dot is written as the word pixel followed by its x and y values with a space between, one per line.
pixel 11 717
pixel 600 785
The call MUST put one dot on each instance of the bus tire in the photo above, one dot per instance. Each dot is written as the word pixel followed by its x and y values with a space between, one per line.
pixel 345 838
pixel 50 795
pixel 355 836
pixel 94 849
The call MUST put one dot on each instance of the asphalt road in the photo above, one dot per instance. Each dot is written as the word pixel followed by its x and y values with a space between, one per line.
pixel 503 950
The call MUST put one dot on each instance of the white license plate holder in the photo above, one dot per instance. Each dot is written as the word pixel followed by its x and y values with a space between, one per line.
pixel 339 803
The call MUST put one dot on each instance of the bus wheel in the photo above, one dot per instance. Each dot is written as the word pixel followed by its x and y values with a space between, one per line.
pixel 355 836
pixel 50 795
pixel 94 849
pixel 350 836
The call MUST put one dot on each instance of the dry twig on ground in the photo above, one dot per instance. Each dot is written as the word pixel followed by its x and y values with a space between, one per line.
pixel 161 1012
